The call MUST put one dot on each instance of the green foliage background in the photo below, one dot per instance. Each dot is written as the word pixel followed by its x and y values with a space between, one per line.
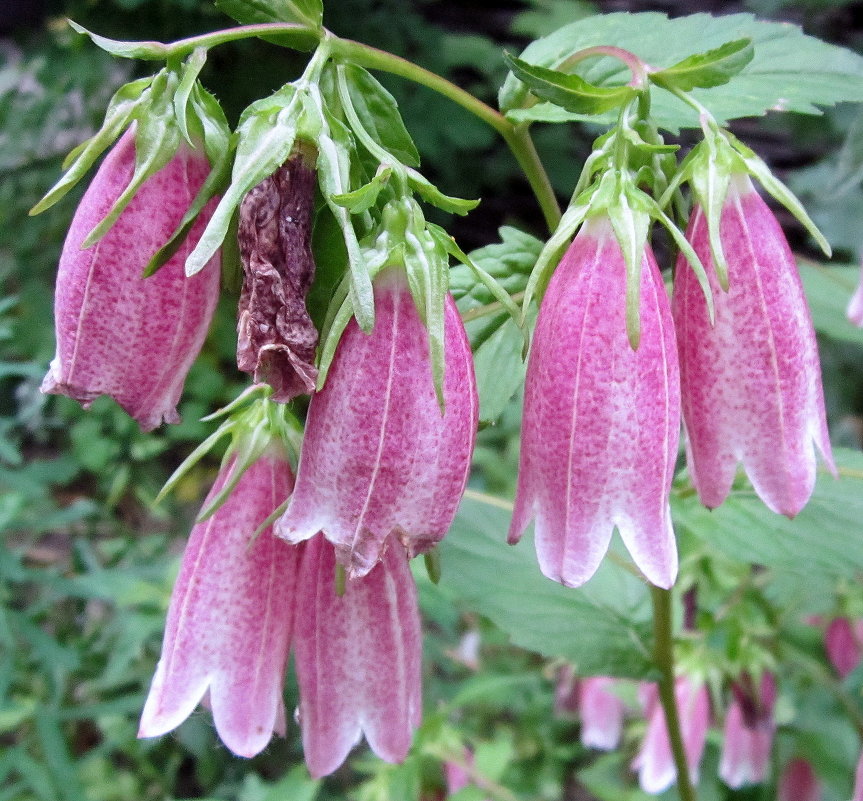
pixel 88 562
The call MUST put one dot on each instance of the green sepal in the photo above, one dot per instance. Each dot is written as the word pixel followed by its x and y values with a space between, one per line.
pixel 264 142
pixel 431 559
pixel 756 167
pixel 192 69
pixel 431 194
pixel 339 314
pixel 124 104
pixel 208 114
pixel 363 198
pixel 379 114
pixel 570 92
pixel 254 12
pixel 705 70
pixel 147 51
pixel 156 141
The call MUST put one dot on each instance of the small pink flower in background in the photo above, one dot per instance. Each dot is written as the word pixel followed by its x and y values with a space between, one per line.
pixel 751 383
pixel 566 692
pixel 378 457
pixel 655 762
pixel 843 641
pixel 119 334
pixel 601 713
pixel 749 730
pixel 601 420
pixel 798 782
pixel 855 305
pixel 858 781
pixel 229 623
pixel 358 658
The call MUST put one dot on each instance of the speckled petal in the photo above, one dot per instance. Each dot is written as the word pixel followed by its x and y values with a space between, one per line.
pixel 601 420
pixel 358 658
pixel 119 334
pixel 378 457
pixel 751 384
pixel 229 623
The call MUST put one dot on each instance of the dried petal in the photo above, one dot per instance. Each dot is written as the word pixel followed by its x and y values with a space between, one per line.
pixel 276 337
pixel 601 420
pixel 119 334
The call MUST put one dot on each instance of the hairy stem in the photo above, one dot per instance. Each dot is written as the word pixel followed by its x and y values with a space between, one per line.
pixel 664 659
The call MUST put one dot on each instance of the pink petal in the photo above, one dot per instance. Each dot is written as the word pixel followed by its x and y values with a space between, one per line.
pixel 751 384
pixel 378 457
pixel 858 781
pixel 229 623
pixel 855 305
pixel 601 421
pixel 798 782
pixel 746 749
pixel 601 713
pixel 358 658
pixel 119 334
pixel 842 645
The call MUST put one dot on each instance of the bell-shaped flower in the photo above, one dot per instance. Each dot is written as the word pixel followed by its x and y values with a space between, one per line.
pixel 843 641
pixel 601 420
pixel 119 334
pixel 655 761
pixel 378 456
pixel 751 383
pixel 798 782
pixel 358 658
pixel 229 623
pixel 601 713
pixel 749 730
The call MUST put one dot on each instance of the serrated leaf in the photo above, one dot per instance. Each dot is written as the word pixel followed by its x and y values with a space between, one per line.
pixel 570 92
pixel 602 627
pixel 254 12
pixel 153 51
pixel 789 71
pixel 379 114
pixel 705 70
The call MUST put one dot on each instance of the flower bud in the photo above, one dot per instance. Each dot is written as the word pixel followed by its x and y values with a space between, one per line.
pixel 601 420
pixel 276 337
pixel 751 383
pixel 798 782
pixel 843 641
pixel 119 334
pixel 749 730
pixel 378 456
pixel 229 622
pixel 358 658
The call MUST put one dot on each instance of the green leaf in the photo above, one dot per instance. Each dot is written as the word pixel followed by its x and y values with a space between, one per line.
pixel 570 92
pixel 153 51
pixel 815 543
pixel 705 70
pixel 602 627
pixel 254 12
pixel 366 196
pixel 431 194
pixel 379 114
pixel 789 71
pixel 828 289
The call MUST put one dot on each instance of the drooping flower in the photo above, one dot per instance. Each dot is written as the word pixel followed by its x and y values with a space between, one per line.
pixel 601 713
pixel 843 641
pixel 798 782
pixel 276 337
pixel 358 658
pixel 229 623
pixel 601 420
pixel 119 334
pixel 378 455
pixel 855 305
pixel 751 383
pixel 749 730
pixel 655 762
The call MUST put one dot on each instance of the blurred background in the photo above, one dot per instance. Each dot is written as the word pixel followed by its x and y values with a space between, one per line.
pixel 88 561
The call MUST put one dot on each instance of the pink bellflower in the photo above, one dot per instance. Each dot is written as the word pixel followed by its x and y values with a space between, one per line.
pixel 750 383
pixel 601 420
pixel 378 456
pixel 843 641
pixel 228 631
pixel 601 713
pixel 749 730
pixel 798 782
pixel 358 658
pixel 655 761
pixel 119 334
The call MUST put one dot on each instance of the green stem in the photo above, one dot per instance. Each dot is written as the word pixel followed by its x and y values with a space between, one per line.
pixel 517 137
pixel 305 37
pixel 664 659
